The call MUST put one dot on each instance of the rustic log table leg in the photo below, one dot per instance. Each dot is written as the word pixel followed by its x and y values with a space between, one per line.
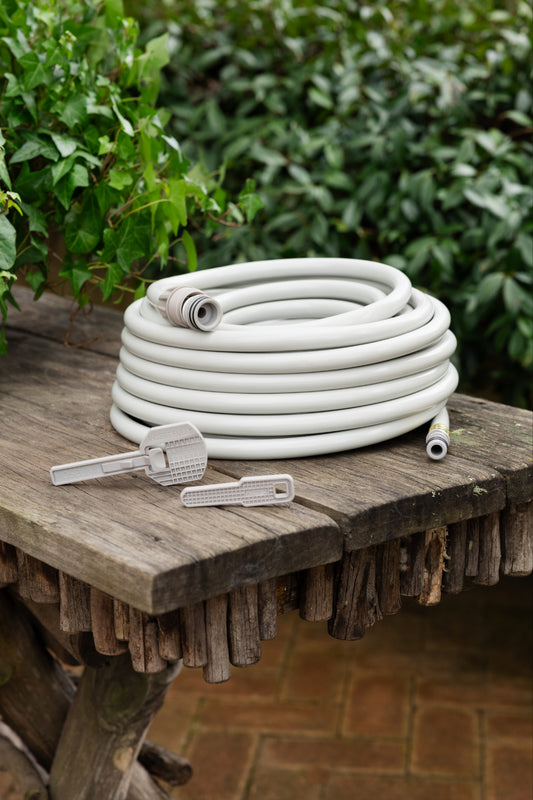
pixel 36 695
pixel 104 729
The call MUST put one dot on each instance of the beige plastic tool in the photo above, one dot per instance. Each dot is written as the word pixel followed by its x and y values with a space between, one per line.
pixel 169 454
pixel 250 491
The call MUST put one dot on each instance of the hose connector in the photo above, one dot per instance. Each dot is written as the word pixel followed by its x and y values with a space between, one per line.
pixel 190 308
pixel 437 441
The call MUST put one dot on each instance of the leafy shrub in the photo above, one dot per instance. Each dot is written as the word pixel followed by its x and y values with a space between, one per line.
pixel 393 130
pixel 85 154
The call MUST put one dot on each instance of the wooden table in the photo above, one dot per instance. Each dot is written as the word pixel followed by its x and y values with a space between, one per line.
pixel 118 576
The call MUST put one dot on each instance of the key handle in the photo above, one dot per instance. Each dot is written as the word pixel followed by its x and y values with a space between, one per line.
pixel 169 454
pixel 264 490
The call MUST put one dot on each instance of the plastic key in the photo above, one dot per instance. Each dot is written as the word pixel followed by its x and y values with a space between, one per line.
pixel 169 454
pixel 251 491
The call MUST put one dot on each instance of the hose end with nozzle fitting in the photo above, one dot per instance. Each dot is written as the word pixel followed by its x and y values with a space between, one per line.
pixel 438 437
pixel 190 308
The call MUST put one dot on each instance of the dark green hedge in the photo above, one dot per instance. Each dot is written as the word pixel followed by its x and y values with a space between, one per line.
pixel 395 130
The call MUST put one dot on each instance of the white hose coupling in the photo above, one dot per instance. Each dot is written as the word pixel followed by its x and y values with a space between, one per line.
pixel 190 308
pixel 437 441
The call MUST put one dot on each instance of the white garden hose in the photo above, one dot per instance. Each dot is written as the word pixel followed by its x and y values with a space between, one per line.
pixel 313 356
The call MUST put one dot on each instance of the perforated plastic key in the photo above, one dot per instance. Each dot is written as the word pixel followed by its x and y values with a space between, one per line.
pixel 250 491
pixel 169 454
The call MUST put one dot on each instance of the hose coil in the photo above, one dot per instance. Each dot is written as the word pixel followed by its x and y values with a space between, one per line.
pixel 313 356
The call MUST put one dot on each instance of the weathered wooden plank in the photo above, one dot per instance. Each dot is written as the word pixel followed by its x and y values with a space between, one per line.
pixel 497 435
pixel 389 490
pixel 126 535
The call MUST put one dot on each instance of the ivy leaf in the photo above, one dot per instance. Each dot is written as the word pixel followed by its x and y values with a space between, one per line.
pixel 118 179
pixel 32 148
pixel 35 72
pixel 133 242
pixel 65 144
pixel 78 274
pixel 8 239
pixel 177 207
pixel 113 275
pixel 250 201
pixel 190 249
pixel 77 177
pixel 82 234
pixel 74 111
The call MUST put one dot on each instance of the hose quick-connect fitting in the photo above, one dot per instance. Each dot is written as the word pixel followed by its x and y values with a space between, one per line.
pixel 437 441
pixel 190 308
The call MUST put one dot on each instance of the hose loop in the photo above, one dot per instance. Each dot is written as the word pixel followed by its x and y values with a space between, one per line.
pixel 312 356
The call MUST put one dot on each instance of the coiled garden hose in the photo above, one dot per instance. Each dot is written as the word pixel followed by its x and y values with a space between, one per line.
pixel 313 356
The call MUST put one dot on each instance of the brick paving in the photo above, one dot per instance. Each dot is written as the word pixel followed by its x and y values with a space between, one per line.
pixel 433 704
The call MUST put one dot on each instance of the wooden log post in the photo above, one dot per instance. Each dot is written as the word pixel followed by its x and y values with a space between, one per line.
pixel 217 669
pixel 168 767
pixel 356 600
pixel 79 646
pixel 388 576
pixel 243 626
pixel 103 624
pixel 267 609
pixel 433 566
pixel 36 695
pixel 74 604
pixel 169 636
pixel 193 638
pixel 316 593
pixel 488 571
pixel 36 580
pixel 104 728
pixel 472 548
pixel 456 546
pixel 412 558
pixel 143 643
pixel 8 565
pixel 517 539
pixel 121 614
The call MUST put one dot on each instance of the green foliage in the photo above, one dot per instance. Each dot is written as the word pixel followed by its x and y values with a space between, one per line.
pixel 394 130
pixel 86 154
